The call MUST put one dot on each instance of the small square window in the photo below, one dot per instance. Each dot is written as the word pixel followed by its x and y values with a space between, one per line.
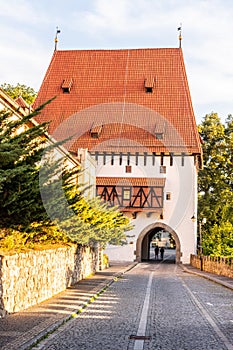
pixel 66 90
pixel 159 135
pixel 94 135
pixel 149 90
pixel 168 196
pixel 163 169
pixel 126 193
pixel 128 169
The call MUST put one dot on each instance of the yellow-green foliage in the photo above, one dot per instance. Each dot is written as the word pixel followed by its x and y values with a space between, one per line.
pixel 93 222
pixel 219 240
pixel 38 236
pixel 105 260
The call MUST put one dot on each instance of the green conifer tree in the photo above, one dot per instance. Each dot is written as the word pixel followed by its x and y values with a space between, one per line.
pixel 20 153
pixel 38 195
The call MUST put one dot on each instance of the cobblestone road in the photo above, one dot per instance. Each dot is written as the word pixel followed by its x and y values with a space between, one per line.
pixel 153 306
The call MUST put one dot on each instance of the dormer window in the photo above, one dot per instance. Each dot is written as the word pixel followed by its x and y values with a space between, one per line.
pixel 66 85
pixel 160 129
pixel 159 135
pixel 149 89
pixel 96 131
pixel 149 84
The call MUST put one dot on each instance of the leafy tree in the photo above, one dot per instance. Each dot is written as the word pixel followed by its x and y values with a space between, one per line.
pixel 15 91
pixel 219 240
pixel 229 149
pixel 216 185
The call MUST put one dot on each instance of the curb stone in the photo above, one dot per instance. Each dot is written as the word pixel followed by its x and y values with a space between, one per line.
pixel 215 278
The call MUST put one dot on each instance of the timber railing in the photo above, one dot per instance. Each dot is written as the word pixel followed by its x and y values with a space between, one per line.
pixel 213 264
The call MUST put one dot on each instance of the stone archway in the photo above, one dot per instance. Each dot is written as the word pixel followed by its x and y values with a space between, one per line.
pixel 143 241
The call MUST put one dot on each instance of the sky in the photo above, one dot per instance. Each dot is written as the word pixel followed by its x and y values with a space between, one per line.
pixel 28 29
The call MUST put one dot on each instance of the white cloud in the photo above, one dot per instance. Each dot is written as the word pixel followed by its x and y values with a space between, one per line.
pixel 27 29
pixel 121 17
pixel 22 55
pixel 18 10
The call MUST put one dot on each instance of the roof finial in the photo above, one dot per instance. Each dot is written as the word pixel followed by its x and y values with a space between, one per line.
pixel 180 35
pixel 56 39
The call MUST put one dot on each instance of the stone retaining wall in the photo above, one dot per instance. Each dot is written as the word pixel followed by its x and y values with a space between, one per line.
pixel 29 278
pixel 213 264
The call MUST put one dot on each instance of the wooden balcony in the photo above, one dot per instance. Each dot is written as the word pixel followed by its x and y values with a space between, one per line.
pixel 132 194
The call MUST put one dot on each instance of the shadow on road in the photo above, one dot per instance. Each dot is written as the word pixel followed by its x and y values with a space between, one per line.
pixel 164 261
pixel 169 257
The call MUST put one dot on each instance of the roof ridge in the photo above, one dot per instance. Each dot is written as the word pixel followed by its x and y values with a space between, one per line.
pixel 125 49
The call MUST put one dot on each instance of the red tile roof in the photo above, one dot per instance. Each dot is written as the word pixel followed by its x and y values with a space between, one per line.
pixel 21 102
pixel 108 88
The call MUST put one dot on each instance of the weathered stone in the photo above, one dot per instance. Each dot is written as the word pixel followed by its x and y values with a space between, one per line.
pixel 213 264
pixel 30 278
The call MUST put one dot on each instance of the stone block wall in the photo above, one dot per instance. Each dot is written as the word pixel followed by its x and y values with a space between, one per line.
pixel 29 278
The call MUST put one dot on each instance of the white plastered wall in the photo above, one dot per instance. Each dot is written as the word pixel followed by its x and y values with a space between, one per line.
pixel 181 183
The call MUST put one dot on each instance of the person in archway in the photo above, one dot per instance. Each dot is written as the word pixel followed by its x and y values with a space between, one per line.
pixel 156 252
pixel 161 252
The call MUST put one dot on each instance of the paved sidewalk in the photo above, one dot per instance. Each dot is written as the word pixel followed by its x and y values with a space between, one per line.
pixel 223 280
pixel 21 330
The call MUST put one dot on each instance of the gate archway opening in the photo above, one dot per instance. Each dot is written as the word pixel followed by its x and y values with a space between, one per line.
pixel 152 235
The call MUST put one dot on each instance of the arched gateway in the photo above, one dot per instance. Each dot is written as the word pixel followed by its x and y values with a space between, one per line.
pixel 144 238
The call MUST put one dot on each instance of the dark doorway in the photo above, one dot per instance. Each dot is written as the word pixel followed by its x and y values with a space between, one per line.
pixel 159 235
pixel 161 246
